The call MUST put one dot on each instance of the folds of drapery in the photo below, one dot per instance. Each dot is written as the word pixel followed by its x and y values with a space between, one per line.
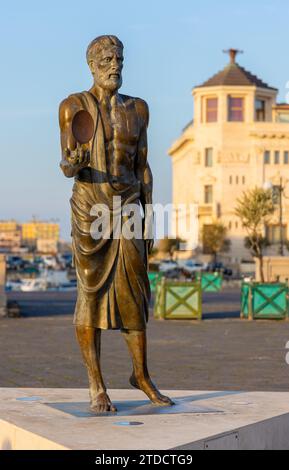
pixel 113 287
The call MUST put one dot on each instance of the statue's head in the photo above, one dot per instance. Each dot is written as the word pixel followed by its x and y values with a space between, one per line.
pixel 105 59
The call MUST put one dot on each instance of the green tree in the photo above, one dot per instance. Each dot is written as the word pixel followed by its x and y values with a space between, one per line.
pixel 214 239
pixel 255 209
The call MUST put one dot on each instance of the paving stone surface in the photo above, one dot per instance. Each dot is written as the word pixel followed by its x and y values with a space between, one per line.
pixel 220 353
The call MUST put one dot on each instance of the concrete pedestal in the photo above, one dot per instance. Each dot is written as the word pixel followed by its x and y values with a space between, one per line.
pixel 49 419
pixel 3 299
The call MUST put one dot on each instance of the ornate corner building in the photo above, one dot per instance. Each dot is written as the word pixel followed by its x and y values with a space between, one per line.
pixel 238 139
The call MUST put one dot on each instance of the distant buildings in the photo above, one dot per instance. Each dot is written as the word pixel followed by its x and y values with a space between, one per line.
pixel 10 235
pixel 35 235
pixel 239 139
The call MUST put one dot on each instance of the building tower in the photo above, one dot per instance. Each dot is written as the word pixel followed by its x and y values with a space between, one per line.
pixel 238 139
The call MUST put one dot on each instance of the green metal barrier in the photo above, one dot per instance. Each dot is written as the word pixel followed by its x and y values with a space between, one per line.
pixel 178 300
pixel 159 300
pixel 210 282
pixel 155 278
pixel 245 300
pixel 264 300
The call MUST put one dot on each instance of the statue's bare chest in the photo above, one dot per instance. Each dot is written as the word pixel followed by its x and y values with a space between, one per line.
pixel 120 123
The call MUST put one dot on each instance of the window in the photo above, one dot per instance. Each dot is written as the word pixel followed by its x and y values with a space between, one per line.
pixel 260 110
pixel 212 110
pixel 286 158
pixel 208 194
pixel 230 225
pixel 267 157
pixel 209 157
pixel 237 179
pixel 231 179
pixel 236 109
pixel 273 233
pixel 243 179
pixel 276 157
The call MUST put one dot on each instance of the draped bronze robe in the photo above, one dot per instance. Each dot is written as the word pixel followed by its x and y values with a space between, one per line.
pixel 112 281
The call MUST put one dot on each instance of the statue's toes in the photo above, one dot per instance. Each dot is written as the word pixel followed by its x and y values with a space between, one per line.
pixel 103 406
pixel 168 401
pixel 113 408
pixel 162 400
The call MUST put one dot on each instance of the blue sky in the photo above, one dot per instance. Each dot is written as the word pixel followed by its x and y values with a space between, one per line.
pixel 170 46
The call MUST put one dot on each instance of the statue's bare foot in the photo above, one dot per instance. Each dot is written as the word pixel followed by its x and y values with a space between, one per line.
pixel 151 391
pixel 102 404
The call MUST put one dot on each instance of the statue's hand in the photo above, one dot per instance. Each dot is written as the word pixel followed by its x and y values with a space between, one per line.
pixel 79 157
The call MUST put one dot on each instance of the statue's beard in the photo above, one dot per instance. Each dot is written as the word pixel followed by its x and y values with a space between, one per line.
pixel 109 84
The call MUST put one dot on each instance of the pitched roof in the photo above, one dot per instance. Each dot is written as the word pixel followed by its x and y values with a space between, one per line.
pixel 281 106
pixel 235 75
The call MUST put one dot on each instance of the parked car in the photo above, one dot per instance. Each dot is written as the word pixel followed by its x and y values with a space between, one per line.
pixel 219 268
pixel 15 262
pixel 168 265
pixel 50 261
pixel 65 260
pixel 170 269
pixel 29 267
pixel 68 286
pixel 191 267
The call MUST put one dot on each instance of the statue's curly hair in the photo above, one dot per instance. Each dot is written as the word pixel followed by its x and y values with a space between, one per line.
pixel 100 42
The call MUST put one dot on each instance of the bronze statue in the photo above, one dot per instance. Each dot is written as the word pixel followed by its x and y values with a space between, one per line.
pixel 104 147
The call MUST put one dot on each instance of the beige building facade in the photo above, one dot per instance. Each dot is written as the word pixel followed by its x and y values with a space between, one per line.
pixel 10 235
pixel 39 230
pixel 238 139
pixel 35 234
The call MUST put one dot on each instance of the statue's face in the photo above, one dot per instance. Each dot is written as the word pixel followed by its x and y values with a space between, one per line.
pixel 106 68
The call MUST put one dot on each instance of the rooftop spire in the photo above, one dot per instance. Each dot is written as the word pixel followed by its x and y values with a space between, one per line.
pixel 232 53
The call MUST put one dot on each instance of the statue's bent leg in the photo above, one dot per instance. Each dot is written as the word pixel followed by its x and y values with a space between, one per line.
pixel 137 345
pixel 89 341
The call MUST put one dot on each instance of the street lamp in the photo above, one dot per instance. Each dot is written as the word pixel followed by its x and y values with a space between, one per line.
pixel 280 188
pixel 268 186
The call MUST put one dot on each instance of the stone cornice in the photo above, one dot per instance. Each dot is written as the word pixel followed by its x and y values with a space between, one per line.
pixel 186 138
pixel 270 135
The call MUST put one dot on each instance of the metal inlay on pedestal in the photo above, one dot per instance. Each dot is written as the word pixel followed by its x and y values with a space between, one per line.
pixel 128 423
pixel 134 408
pixel 29 399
